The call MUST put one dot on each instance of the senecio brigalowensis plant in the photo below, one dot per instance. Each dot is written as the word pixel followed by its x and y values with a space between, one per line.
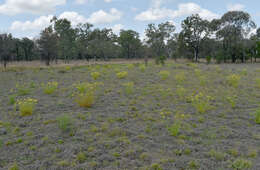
pixel 26 106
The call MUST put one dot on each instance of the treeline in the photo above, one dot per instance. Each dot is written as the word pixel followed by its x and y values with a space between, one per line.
pixel 229 39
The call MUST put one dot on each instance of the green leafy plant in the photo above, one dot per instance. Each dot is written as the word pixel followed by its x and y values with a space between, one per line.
pixel 50 87
pixel 129 88
pixel 241 164
pixel 65 123
pixel 122 75
pixel 233 80
pixel 257 116
pixel 95 75
pixel 160 60
pixel 232 101
pixel 26 106
pixel 201 102
pixel 164 74
pixel 208 59
pixel 174 129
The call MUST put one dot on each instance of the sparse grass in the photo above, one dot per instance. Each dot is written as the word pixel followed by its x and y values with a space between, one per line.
pixel 129 88
pixel 174 129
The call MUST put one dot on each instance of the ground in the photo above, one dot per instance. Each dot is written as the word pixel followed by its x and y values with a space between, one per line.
pixel 177 116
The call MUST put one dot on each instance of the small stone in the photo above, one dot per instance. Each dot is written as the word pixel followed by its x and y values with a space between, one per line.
pixel 3 131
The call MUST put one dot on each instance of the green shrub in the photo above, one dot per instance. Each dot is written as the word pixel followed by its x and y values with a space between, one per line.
pixel 233 80
pixel 65 123
pixel 26 106
pixel 50 87
pixel 160 60
pixel 95 75
pixel 241 164
pixel 129 88
pixel 122 75
pixel 257 116
pixel 164 74
pixel 175 128
pixel 208 59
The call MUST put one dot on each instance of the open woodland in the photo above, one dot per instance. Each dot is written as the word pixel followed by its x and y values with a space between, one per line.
pixel 83 98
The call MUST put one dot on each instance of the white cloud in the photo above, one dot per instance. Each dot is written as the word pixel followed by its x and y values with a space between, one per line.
pixel 37 24
pixel 116 28
pixel 80 1
pixel 235 7
pixel 156 12
pixel 74 17
pixel 12 7
pixel 107 1
pixel 102 17
pixel 99 17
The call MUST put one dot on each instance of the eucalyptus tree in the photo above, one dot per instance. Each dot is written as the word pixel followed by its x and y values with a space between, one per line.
pixel 194 31
pixel 7 48
pixel 66 38
pixel 234 27
pixel 157 37
pixel 83 38
pixel 48 44
pixel 130 43
pixel 102 44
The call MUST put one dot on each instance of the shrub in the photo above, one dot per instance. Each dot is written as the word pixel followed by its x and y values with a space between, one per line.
pixel 65 123
pixel 86 99
pixel 81 157
pixel 201 102
pixel 14 167
pixel 257 116
pixel 95 75
pixel 129 87
pixel 233 80
pixel 160 60
pixel 122 75
pixel 50 87
pixel 258 82
pixel 208 59
pixel 164 74
pixel 26 106
pixel 241 164
pixel 180 78
pixel 12 99
pixel 142 67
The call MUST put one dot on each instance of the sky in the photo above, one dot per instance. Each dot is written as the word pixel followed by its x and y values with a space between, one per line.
pixel 26 18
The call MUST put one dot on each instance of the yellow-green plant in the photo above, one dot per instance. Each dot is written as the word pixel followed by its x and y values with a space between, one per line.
pixel 174 129
pixel 142 67
pixel 122 75
pixel 180 78
pixel 129 88
pixel 201 102
pixel 95 75
pixel 257 116
pixel 164 74
pixel 180 91
pixel 50 87
pixel 241 164
pixel 26 106
pixel 233 80
pixel 232 101
pixel 257 82
pixel 85 94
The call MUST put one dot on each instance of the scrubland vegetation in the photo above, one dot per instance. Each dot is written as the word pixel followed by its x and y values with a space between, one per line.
pixel 131 116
